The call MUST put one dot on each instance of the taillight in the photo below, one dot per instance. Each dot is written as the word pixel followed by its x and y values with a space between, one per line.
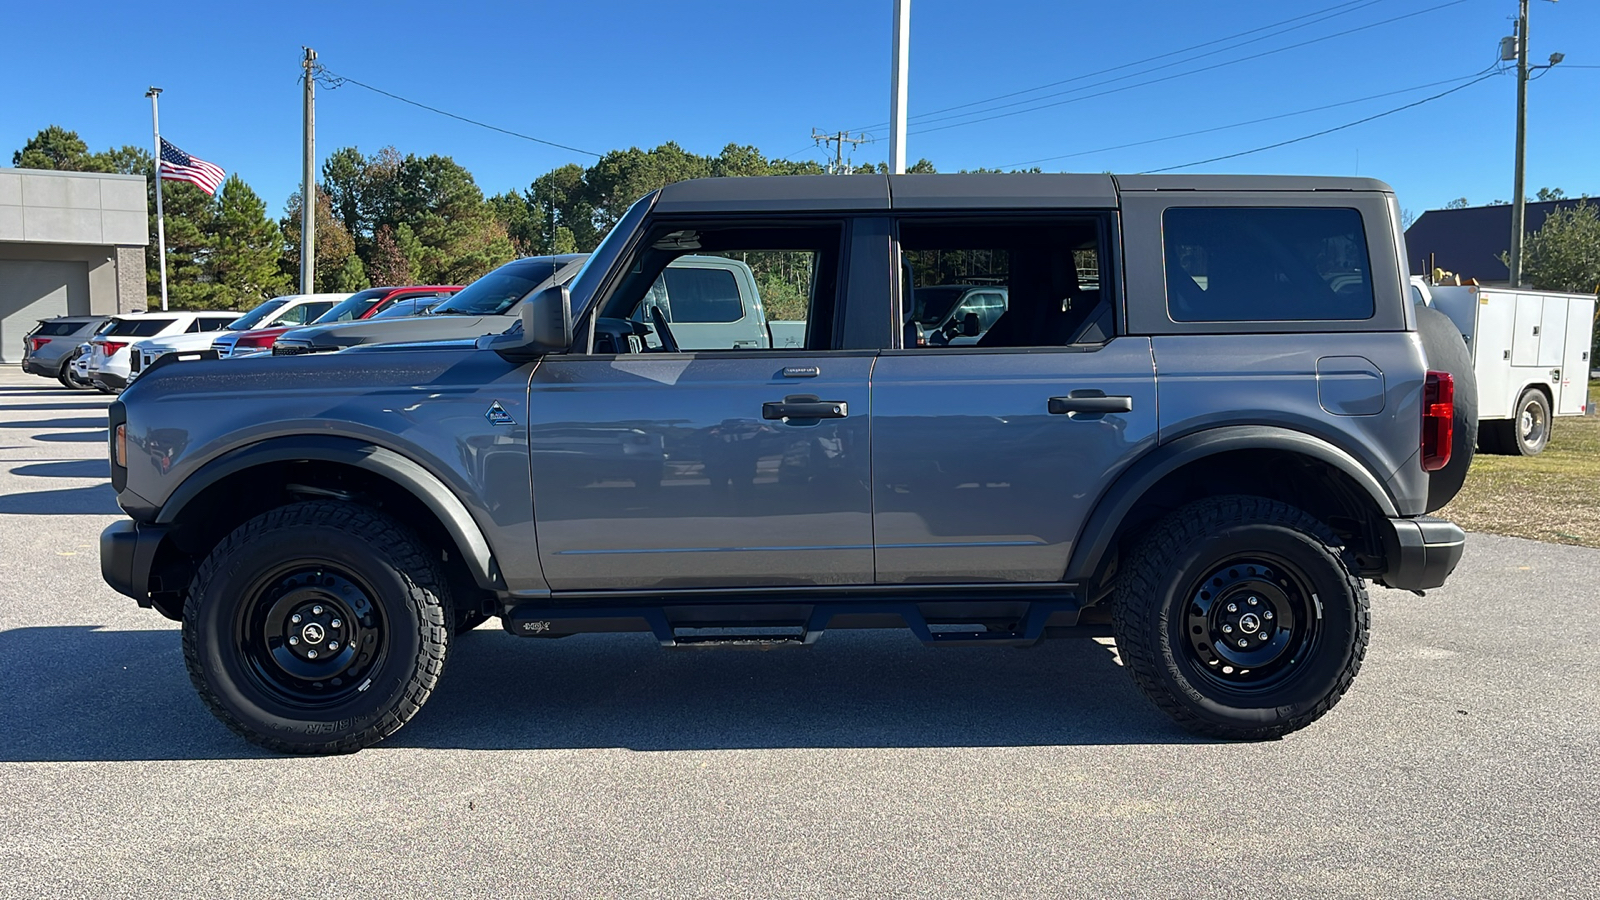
pixel 113 346
pixel 36 343
pixel 1438 420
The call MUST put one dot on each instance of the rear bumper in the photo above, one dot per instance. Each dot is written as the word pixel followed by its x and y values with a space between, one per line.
pixel 33 365
pixel 1422 552
pixel 109 380
pixel 127 554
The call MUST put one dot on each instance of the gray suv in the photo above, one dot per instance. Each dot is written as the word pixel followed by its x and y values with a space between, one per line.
pixel 51 346
pixel 1206 415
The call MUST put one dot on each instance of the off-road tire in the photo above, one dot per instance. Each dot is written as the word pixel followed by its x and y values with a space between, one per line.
pixel 1153 609
pixel 374 552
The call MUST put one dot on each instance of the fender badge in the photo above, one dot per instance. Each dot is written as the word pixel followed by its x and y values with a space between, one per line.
pixel 497 415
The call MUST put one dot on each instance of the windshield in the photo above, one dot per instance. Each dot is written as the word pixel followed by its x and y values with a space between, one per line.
pixel 352 308
pixel 932 304
pixel 414 306
pixel 499 290
pixel 250 319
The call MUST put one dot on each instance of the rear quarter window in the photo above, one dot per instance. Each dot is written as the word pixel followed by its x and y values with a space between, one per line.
pixel 138 327
pixel 59 329
pixel 1266 264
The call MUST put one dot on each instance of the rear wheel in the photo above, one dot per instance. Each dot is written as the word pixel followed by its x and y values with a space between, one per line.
pixel 318 627
pixel 1239 617
pixel 1531 424
pixel 69 379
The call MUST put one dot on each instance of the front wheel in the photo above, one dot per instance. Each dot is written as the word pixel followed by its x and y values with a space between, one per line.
pixel 1239 617
pixel 317 627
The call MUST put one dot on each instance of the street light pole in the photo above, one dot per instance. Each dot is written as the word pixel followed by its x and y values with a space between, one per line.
pixel 1519 211
pixel 897 87
pixel 161 221
pixel 308 184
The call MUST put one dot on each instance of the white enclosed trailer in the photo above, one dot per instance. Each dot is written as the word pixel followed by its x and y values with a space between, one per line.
pixel 1530 352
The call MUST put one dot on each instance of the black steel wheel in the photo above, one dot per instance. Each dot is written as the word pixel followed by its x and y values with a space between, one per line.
pixel 1240 618
pixel 318 627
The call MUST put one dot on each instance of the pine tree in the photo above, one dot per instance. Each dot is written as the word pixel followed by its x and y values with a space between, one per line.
pixel 245 264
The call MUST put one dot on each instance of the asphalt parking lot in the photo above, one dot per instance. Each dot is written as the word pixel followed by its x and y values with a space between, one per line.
pixel 1462 764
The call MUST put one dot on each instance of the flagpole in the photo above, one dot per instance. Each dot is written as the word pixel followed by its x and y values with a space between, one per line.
pixel 161 222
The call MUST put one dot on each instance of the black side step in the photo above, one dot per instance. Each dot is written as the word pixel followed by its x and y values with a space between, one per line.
pixel 759 625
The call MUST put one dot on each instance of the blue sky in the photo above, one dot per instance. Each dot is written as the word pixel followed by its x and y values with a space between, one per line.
pixel 600 76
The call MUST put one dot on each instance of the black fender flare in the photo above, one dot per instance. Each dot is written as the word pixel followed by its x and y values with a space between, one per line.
pixel 421 483
pixel 1090 554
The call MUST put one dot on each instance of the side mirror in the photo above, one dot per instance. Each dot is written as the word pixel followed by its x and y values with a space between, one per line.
pixel 547 320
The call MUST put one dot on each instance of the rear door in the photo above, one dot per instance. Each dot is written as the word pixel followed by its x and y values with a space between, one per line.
pixel 705 465
pixel 988 456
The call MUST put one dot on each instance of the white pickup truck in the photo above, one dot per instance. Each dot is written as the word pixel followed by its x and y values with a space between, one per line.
pixel 1530 351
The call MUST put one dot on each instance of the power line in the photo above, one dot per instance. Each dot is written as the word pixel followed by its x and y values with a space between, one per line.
pixel 1141 62
pixel 1318 134
pixel 1176 75
pixel 1217 128
pixel 333 81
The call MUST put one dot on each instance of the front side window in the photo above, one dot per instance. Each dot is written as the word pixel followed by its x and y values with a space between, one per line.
pixel 725 288
pixel 256 316
pixel 1266 264
pixel 1001 284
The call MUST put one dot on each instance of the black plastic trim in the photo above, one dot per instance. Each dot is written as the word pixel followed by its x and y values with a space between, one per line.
pixel 1422 552
pixel 422 484
pixel 1120 498
pixel 127 553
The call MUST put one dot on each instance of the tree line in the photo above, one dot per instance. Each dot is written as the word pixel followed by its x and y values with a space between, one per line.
pixel 388 218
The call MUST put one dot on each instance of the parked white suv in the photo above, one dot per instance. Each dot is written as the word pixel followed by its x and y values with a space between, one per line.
pixel 115 343
pixel 293 309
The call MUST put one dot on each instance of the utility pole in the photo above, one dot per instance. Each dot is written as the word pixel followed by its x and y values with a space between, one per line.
pixel 897 86
pixel 161 220
pixel 1519 209
pixel 308 183
pixel 838 140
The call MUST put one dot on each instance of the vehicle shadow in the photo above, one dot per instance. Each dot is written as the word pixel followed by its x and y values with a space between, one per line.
pixel 83 406
pixel 125 696
pixel 73 437
pixel 87 422
pixel 68 468
pixel 95 500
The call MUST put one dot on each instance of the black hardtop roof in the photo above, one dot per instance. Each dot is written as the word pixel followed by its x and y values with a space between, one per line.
pixel 963 191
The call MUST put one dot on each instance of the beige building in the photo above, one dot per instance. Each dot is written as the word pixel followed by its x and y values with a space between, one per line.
pixel 71 243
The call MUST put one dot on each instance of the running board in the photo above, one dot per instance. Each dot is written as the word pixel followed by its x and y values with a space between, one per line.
pixel 939 623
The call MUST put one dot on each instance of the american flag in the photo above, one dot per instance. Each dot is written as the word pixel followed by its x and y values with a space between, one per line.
pixel 177 165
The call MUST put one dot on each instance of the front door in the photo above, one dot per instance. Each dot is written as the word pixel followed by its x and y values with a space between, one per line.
pixel 668 460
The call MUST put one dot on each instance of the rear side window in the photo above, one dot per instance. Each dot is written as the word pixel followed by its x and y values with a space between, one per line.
pixel 1266 264
pixel 137 327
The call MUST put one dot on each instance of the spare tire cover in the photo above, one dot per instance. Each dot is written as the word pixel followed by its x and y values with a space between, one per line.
pixel 1447 352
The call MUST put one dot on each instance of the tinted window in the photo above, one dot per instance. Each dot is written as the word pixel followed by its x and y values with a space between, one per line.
pixel 499 290
pixel 137 327
pixel 702 295
pixel 415 306
pixel 305 312
pixel 1244 265
pixel 353 307
pixel 212 323
pixel 58 329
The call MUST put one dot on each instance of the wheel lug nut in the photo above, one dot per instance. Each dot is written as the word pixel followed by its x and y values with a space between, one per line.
pixel 333 645
pixel 1233 607
pixel 311 653
pixel 1242 643
pixel 1227 629
pixel 335 623
pixel 1267 614
pixel 293 641
pixel 295 618
pixel 316 610
pixel 1253 601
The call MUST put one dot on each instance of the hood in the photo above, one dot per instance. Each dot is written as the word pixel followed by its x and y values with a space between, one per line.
pixel 395 331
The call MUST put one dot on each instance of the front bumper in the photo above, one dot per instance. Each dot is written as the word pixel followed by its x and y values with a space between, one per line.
pixel 127 554
pixel 1422 552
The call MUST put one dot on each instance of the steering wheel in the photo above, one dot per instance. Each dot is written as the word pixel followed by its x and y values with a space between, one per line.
pixel 659 321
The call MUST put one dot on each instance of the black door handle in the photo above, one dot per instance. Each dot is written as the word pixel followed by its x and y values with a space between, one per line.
pixel 1094 402
pixel 805 406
